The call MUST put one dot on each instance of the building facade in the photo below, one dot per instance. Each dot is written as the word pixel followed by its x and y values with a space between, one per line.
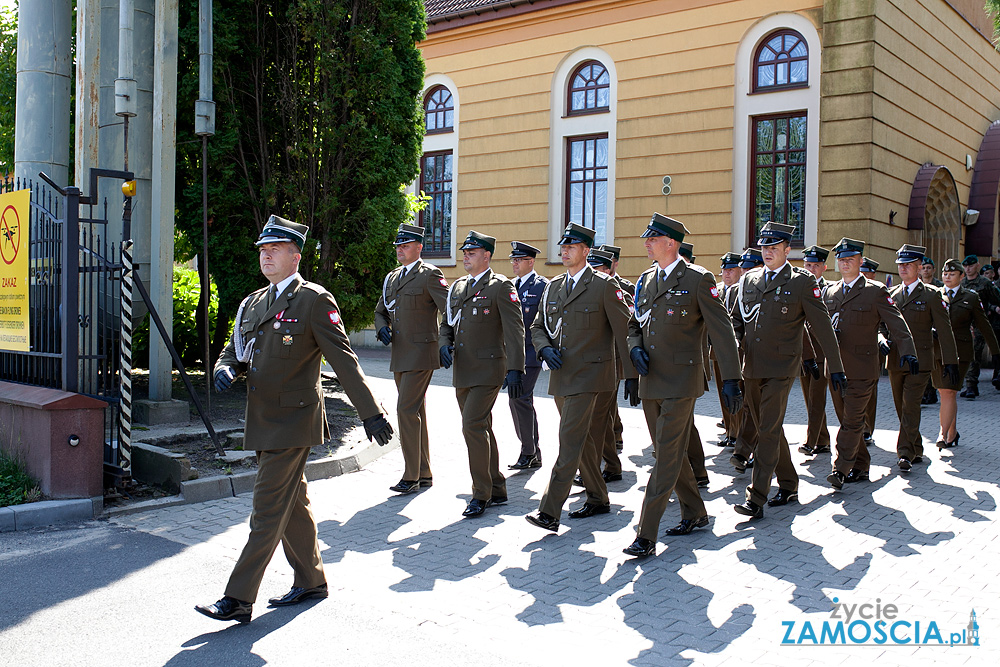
pixel 869 119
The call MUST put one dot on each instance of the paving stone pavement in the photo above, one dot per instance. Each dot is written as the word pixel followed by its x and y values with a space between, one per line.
pixel 926 543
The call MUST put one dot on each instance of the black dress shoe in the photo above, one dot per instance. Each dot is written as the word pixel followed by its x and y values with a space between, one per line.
pixel 750 509
pixel 497 500
pixel 543 520
pixel 821 449
pixel 869 440
pixel 297 595
pixel 405 486
pixel 738 462
pixel 641 548
pixel 227 609
pixel 836 479
pixel 426 481
pixel 525 461
pixel 578 481
pixel 904 464
pixel 619 446
pixel 813 451
pixel 475 507
pixel 806 449
pixel 702 482
pixel 611 476
pixel 857 476
pixel 589 510
pixel 918 459
pixel 687 526
pixel 721 425
pixel 751 461
pixel 783 497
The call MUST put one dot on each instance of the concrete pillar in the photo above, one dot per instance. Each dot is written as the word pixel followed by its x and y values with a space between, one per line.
pixel 44 71
pixel 161 230
pixel 88 90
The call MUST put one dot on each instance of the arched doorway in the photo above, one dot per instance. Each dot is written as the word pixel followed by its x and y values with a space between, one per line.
pixel 934 209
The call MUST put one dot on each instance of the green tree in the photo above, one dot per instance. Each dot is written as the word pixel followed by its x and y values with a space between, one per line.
pixel 993 9
pixel 318 120
pixel 8 85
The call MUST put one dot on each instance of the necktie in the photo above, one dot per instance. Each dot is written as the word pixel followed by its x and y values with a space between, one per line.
pixel 847 288
pixel 517 285
pixel 663 275
pixel 769 277
pixel 402 274
pixel 569 286
pixel 468 287
pixel 951 294
pixel 270 295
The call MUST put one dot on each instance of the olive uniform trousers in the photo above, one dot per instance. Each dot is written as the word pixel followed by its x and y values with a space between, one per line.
pixel 766 400
pixel 852 411
pixel 281 513
pixel 476 404
pixel 578 450
pixel 411 413
pixel 906 392
pixel 814 393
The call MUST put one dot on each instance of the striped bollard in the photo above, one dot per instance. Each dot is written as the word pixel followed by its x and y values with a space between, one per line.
pixel 125 414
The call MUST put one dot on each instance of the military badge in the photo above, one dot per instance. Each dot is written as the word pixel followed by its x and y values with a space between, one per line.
pixel 784 310
pixel 714 291
pixel 444 283
pixel 619 295
pixel 513 297
pixel 670 311
pixel 486 311
pixel 286 340
pixel 684 313
pixel 889 299
pixel 334 317
pixel 277 324
pixel 816 292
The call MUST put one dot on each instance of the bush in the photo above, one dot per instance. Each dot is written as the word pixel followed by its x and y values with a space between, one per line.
pixel 16 486
pixel 186 291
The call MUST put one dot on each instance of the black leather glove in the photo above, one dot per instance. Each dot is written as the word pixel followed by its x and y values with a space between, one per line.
pixel 732 397
pixel 912 361
pixel 640 359
pixel 950 373
pixel 996 371
pixel 631 390
pixel 378 428
pixel 884 346
pixel 446 356
pixel 811 368
pixel 384 335
pixel 512 383
pixel 551 356
pixel 839 383
pixel 224 379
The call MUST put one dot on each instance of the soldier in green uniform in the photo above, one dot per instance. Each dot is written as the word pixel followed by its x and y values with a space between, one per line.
pixel 406 315
pixel 484 334
pixel 772 308
pixel 926 273
pixel 730 265
pixel 677 305
pixel 989 295
pixel 926 316
pixel 627 288
pixel 281 334
pixel 813 381
pixel 868 268
pixel 858 307
pixel 965 310
pixel 746 437
pixel 581 325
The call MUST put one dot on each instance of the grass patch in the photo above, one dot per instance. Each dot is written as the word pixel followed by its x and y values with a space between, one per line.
pixel 16 486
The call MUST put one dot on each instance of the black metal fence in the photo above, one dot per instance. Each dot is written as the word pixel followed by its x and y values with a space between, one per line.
pixel 74 301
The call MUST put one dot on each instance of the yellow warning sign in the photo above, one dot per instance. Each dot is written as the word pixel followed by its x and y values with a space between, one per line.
pixel 14 216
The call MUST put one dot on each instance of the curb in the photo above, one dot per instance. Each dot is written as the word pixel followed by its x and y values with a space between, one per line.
pixel 49 512
pixel 229 486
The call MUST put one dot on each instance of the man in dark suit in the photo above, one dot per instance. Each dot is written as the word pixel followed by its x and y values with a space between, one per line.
pixel 280 336
pixel 406 315
pixel 813 380
pixel 858 307
pixel 926 316
pixel 484 331
pixel 583 319
pixel 529 287
pixel 677 305
pixel 774 304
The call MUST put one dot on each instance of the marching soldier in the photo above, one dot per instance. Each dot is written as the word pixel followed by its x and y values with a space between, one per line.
pixel 857 307
pixel 869 267
pixel 746 435
pixel 773 305
pixel 678 303
pixel 989 295
pixel 964 310
pixel 813 381
pixel 926 316
pixel 407 316
pixel 484 330
pixel 628 288
pixel 281 334
pixel 583 318
pixel 529 287
pixel 750 259
pixel 927 273
pixel 727 293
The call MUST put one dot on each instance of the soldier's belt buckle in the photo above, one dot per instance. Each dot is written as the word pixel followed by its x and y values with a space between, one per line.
pixel 286 340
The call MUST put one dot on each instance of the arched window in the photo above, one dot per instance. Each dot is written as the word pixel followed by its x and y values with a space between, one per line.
pixel 781 62
pixel 589 89
pixel 439 111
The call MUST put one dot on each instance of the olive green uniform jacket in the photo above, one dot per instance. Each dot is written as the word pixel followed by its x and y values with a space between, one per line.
pixel 411 309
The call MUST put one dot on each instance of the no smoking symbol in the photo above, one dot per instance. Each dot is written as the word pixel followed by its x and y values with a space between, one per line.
pixel 10 235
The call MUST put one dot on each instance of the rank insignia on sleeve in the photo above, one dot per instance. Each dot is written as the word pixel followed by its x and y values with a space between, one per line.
pixel 334 317
pixel 889 299
pixel 714 291
pixel 816 292
pixel 618 293
pixel 444 283
pixel 286 340
pixel 513 297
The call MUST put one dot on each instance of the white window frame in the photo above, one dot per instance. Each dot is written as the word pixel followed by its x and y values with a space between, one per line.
pixel 443 141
